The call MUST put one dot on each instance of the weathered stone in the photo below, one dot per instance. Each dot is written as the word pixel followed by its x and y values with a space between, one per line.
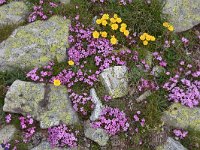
pixel 98 105
pixel 97 135
pixel 35 44
pixel 184 14
pixel 157 70
pixel 65 1
pixel 46 103
pixel 149 58
pixel 7 133
pixel 115 80
pixel 171 144
pixel 179 116
pixel 46 146
pixel 13 13
pixel 143 96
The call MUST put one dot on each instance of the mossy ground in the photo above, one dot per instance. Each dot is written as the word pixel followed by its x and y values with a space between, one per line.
pixel 140 17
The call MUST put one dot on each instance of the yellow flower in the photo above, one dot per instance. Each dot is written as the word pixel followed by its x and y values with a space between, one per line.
pixel 104 34
pixel 152 38
pixel 145 42
pixel 122 29
pixel 166 24
pixel 114 26
pixel 119 20
pixel 98 21
pixel 115 16
pixel 142 37
pixel 105 16
pixel 71 62
pixel 112 20
pixel 95 34
pixel 126 32
pixel 171 28
pixel 113 40
pixel 104 22
pixel 56 82
pixel 123 25
pixel 148 37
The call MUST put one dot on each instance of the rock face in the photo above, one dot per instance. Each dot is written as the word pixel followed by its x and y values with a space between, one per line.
pixel 171 144
pixel 97 135
pixel 98 105
pixel 35 44
pixel 184 14
pixel 7 133
pixel 46 146
pixel 13 13
pixel 65 1
pixel 182 117
pixel 46 103
pixel 115 80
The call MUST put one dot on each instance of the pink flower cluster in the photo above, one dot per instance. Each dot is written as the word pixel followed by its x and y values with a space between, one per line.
pixel 38 10
pixel 27 125
pixel 61 136
pixel 107 98
pixel 180 134
pixel 184 87
pixel 147 85
pixel 8 118
pixel 41 76
pixel 2 2
pixel 157 57
pixel 112 120
pixel 82 103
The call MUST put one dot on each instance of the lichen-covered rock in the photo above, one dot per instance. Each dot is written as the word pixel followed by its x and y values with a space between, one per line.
pixel 157 70
pixel 179 116
pixel 35 44
pixel 115 80
pixel 65 1
pixel 171 144
pixel 13 13
pixel 46 103
pixel 97 135
pixel 7 133
pixel 46 146
pixel 98 105
pixel 184 14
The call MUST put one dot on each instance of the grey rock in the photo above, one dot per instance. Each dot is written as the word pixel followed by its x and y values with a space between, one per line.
pixel 115 80
pixel 97 135
pixel 46 146
pixel 46 103
pixel 13 13
pixel 35 44
pixel 179 116
pixel 157 70
pixel 65 1
pixel 171 144
pixel 98 105
pixel 184 14
pixel 143 96
pixel 7 134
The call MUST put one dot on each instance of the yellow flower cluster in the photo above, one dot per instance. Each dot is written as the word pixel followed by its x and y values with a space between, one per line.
pixel 56 82
pixel 115 23
pixel 71 62
pixel 168 26
pixel 145 37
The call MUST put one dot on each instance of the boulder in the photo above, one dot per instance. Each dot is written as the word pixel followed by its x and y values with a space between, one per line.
pixel 184 14
pixel 13 13
pixel 115 80
pixel 98 105
pixel 97 135
pixel 35 44
pixel 65 1
pixel 171 144
pixel 7 133
pixel 180 116
pixel 46 103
